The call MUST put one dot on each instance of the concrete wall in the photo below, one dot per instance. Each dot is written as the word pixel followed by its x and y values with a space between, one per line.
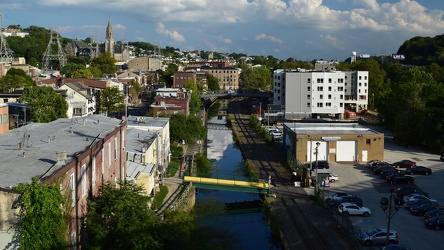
pixel 8 211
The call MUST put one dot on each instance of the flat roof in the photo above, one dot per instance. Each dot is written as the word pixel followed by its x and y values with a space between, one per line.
pixel 133 169
pixel 329 128
pixel 137 138
pixel 147 122
pixel 41 142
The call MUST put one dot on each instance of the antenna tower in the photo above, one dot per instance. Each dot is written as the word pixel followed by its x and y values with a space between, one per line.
pixel 49 54
pixel 5 51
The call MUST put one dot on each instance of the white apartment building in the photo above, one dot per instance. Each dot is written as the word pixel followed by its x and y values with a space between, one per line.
pixel 309 94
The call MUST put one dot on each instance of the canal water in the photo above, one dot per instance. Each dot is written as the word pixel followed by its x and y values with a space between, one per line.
pixel 249 227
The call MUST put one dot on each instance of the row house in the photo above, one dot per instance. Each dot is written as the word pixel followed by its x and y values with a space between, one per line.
pixel 80 98
pixel 170 101
pixel 79 154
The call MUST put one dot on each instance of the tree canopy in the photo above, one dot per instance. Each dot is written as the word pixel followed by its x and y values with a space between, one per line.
pixel 15 78
pixel 105 63
pixel 42 218
pixel 186 128
pixel 256 77
pixel 195 100
pixel 111 100
pixel 46 104
pixel 212 82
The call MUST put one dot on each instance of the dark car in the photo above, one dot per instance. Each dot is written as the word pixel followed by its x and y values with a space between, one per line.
pixel 399 178
pixel 418 203
pixel 350 199
pixel 424 208
pixel 379 164
pixel 396 247
pixel 436 223
pixel 320 164
pixel 434 213
pixel 388 172
pixel 418 170
pixel 400 192
pixel 404 164
pixel 378 170
pixel 372 163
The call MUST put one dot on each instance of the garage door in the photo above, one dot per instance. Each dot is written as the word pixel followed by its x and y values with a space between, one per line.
pixel 346 151
pixel 322 151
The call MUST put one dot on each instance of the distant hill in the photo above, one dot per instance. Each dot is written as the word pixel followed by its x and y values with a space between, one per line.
pixel 423 51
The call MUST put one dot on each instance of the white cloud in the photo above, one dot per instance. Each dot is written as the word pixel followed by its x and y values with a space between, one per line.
pixel 331 40
pixel 176 36
pixel 267 37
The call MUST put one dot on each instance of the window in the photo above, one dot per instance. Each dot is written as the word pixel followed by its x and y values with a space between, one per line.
pixel 341 105
pixel 84 180
pixel 368 141
pixel 329 88
pixel 320 80
pixel 320 88
pixel 328 104
pixel 365 77
pixel 360 77
pixel 77 111
pixel 321 97
pixel 308 80
pixel 329 97
pixel 308 104
pixel 329 80
pixel 5 119
pixel 360 84
pixel 308 88
pixel 72 187
pixel 93 169
pixel 115 148
pixel 341 97
pixel 320 104
pixel 109 154
pixel 308 96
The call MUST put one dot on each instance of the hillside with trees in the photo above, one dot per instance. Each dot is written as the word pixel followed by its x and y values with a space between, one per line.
pixel 423 51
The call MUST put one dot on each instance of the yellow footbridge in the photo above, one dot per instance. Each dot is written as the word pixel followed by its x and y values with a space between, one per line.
pixel 229 185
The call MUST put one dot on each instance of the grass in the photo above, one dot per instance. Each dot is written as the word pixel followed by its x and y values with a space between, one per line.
pixel 160 196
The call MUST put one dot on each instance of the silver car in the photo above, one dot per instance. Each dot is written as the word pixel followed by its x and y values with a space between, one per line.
pixel 378 236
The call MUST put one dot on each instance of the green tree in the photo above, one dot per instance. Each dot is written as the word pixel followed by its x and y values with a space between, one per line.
pixel 186 128
pixel 134 90
pixel 178 227
pixel 71 68
pixel 15 78
pixel 212 82
pixel 111 100
pixel 121 219
pixel 42 218
pixel 82 73
pixel 46 104
pixel 203 165
pixel 256 77
pixel 195 100
pixel 105 63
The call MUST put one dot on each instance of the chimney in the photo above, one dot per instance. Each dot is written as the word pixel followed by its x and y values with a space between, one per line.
pixel 61 158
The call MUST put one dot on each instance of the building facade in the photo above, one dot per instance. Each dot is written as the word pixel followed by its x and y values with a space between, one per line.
pixel 79 154
pixel 181 77
pixel 4 118
pixel 228 77
pixel 308 94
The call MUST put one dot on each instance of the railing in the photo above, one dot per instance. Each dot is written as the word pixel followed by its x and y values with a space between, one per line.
pixel 226 182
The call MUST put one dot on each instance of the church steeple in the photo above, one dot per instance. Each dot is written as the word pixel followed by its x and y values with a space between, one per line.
pixel 109 40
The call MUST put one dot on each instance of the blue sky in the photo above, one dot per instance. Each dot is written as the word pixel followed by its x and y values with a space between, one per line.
pixel 303 29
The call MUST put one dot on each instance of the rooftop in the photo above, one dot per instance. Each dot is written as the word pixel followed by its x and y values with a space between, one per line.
pixel 137 138
pixel 40 143
pixel 148 123
pixel 329 128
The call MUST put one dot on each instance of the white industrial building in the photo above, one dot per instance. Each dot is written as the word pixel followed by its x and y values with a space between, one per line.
pixel 310 94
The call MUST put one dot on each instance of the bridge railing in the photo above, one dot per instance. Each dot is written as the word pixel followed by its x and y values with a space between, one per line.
pixel 226 182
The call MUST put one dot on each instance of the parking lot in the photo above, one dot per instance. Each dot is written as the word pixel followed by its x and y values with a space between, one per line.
pixel 356 179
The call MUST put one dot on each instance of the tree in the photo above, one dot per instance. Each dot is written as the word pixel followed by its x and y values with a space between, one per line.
pixel 134 90
pixel 42 222
pixel 15 78
pixel 121 219
pixel 46 105
pixel 71 68
pixel 111 100
pixel 212 82
pixel 105 63
pixel 256 78
pixel 195 100
pixel 186 128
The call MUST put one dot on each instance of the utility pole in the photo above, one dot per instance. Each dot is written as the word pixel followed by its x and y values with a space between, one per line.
pixel 49 54
pixel 5 51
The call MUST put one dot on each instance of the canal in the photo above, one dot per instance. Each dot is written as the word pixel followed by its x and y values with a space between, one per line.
pixel 247 227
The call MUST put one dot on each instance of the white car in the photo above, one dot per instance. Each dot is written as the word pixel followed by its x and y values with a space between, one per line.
pixel 415 197
pixel 276 133
pixel 333 177
pixel 353 209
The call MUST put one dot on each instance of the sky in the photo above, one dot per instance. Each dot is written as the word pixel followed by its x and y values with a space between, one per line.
pixel 300 29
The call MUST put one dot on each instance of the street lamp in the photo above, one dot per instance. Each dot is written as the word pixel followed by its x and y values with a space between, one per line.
pixel 387 204
pixel 316 183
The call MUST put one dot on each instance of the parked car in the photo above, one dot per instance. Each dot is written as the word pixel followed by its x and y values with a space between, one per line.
pixel 421 210
pixel 399 178
pixel 418 170
pixel 436 223
pixel 400 192
pixel 353 209
pixel 441 158
pixel 371 163
pixel 418 203
pixel 333 178
pixel 378 236
pixel 380 164
pixel 350 199
pixel 404 164
pixel 388 172
pixel 424 208
pixel 396 247
pixel 321 165
pixel 434 213
pixel 415 197
pixel 276 133
pixel 378 170
pixel 334 195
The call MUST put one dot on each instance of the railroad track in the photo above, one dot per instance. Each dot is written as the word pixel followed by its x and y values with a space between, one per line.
pixel 260 155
